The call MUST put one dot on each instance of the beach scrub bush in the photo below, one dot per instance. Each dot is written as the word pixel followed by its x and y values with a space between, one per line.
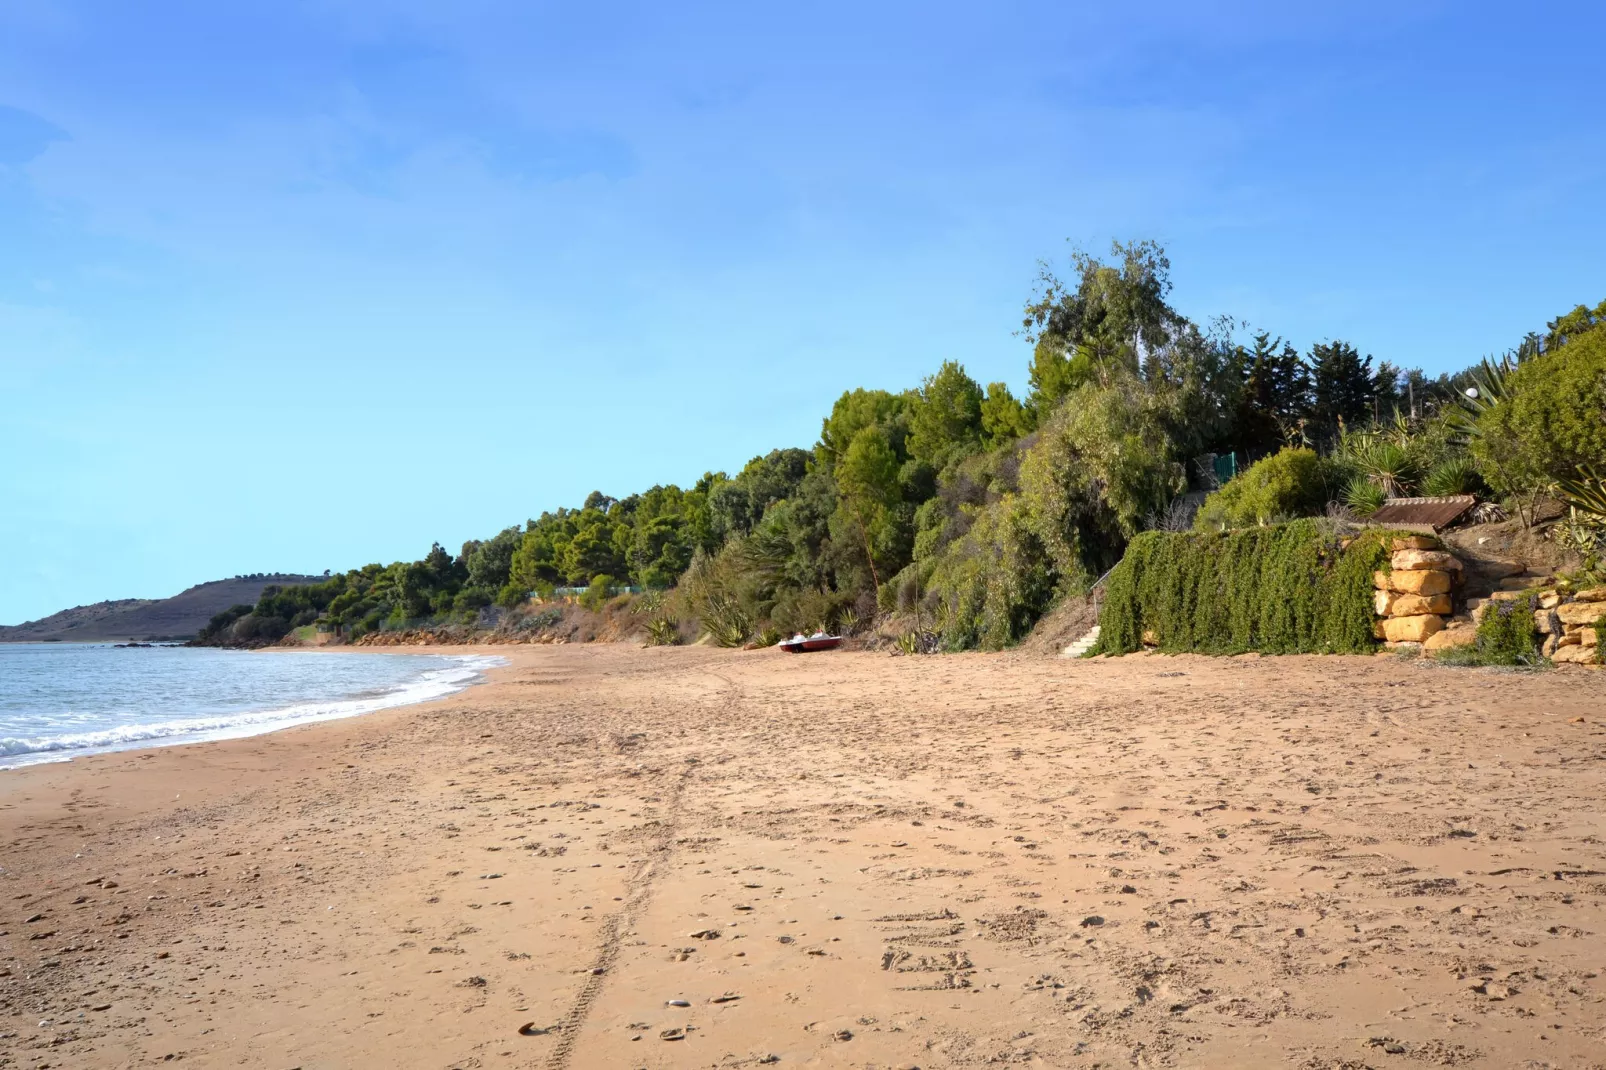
pixel 1290 588
pixel 1505 637
pixel 1289 483
pixel 1551 421
pixel 663 631
pixel 597 592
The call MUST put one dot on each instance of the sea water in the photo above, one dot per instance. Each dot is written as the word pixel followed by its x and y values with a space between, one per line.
pixel 58 700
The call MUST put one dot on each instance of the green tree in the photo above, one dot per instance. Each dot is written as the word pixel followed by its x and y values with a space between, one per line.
pixel 1275 398
pixel 1111 318
pixel 869 494
pixel 1003 417
pixel 945 419
pixel 491 562
pixel 1341 387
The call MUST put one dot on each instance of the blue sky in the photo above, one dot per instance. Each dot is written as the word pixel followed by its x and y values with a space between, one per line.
pixel 297 286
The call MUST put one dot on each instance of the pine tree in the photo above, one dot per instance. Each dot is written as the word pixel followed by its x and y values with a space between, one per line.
pixel 1341 387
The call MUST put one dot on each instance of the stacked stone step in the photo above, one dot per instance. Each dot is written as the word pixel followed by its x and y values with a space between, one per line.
pixel 1082 645
pixel 1570 621
pixel 1415 599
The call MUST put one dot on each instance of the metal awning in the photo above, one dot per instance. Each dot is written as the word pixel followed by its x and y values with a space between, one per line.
pixel 1430 514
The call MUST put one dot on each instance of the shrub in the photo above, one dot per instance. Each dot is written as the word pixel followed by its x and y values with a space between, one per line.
pixel 663 631
pixel 1455 475
pixel 1505 637
pixel 1551 421
pixel 597 592
pixel 1282 589
pixel 992 585
pixel 726 622
pixel 1364 496
pixel 1289 483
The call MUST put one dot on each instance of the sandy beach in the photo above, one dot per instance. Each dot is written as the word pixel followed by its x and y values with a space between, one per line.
pixel 610 857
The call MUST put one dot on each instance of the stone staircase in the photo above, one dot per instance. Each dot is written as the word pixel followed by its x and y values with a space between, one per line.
pixel 1082 645
pixel 1491 580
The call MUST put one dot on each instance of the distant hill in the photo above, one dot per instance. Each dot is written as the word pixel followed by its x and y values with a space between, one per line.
pixel 148 619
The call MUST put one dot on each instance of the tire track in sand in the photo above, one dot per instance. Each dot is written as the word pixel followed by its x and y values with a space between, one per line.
pixel 614 926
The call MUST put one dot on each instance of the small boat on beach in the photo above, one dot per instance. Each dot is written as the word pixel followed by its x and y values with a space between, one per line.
pixel 804 644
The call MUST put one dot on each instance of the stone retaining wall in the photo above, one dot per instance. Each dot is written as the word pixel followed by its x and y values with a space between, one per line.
pixel 1416 603
pixel 1416 598
pixel 1570 621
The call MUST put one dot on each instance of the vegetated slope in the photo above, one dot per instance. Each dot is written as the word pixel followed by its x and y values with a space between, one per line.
pixel 147 619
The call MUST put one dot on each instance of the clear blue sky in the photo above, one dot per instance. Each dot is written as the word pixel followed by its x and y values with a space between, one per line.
pixel 295 286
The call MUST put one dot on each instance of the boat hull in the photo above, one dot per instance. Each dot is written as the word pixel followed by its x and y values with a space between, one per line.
pixel 809 646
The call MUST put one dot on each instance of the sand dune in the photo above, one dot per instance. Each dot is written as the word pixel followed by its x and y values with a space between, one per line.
pixel 610 857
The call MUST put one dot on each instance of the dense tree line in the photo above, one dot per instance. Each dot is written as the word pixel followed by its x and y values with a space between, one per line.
pixel 965 504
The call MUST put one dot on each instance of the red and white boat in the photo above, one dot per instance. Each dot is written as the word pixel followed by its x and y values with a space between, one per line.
pixel 805 644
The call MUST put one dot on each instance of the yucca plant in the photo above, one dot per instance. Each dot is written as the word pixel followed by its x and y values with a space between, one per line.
pixel 1363 496
pixel 1388 465
pixel 1456 475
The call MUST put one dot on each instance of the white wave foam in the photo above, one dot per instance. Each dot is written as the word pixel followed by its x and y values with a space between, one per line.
pixel 432 684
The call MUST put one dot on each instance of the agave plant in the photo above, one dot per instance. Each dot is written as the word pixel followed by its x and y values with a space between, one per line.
pixel 918 642
pixel 1585 494
pixel 1488 389
pixel 663 631
pixel 1584 529
pixel 725 621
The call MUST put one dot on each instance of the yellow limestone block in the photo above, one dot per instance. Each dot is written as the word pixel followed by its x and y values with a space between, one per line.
pixel 1415 542
pixel 1454 635
pixel 1412 629
pixel 1416 560
pixel 1410 605
pixel 1384 601
pixel 1577 655
pixel 1580 612
pixel 1420 581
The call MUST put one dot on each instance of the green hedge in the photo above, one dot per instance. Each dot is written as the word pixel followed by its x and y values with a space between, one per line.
pixel 1281 589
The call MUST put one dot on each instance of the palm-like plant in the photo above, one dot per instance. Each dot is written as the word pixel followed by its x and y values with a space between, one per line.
pixel 1585 494
pixel 1363 496
pixel 1380 458
pixel 1488 389
pixel 1454 475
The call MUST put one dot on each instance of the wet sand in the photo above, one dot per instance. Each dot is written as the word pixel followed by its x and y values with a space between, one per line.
pixel 835 860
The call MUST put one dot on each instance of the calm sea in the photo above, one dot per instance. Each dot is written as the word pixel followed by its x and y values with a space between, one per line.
pixel 58 700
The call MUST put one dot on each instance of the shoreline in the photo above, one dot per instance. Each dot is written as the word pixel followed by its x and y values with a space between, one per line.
pixel 850 860
pixel 245 723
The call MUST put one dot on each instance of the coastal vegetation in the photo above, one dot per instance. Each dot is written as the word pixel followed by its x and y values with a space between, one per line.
pixel 970 513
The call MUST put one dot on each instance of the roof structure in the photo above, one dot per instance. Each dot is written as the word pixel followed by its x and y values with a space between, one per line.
pixel 1428 514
